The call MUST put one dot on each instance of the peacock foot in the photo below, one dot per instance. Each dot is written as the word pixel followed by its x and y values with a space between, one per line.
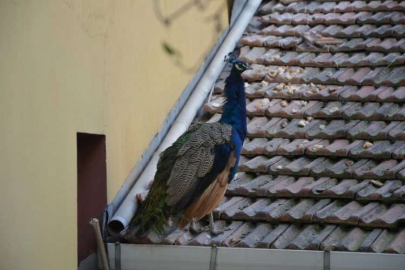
pixel 193 228
pixel 214 231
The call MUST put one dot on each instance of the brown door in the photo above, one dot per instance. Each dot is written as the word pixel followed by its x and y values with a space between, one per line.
pixel 91 189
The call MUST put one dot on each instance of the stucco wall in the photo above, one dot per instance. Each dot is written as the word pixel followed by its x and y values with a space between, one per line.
pixel 95 66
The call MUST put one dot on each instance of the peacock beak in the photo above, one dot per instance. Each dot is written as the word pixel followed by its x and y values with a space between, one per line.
pixel 249 68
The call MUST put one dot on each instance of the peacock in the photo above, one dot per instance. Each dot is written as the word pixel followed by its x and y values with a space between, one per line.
pixel 193 174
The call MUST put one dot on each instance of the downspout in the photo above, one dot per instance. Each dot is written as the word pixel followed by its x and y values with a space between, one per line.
pixel 127 209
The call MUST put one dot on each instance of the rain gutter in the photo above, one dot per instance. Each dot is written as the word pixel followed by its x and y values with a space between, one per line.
pixel 153 257
pixel 128 206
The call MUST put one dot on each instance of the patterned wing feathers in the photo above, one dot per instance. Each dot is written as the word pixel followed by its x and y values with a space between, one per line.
pixel 195 159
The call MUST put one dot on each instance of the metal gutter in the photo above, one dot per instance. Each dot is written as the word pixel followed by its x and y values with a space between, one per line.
pixel 128 207
pixel 237 8
pixel 151 257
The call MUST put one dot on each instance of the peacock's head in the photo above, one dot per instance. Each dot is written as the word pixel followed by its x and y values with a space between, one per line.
pixel 237 65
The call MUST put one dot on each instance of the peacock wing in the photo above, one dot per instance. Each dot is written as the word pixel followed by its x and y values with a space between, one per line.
pixel 195 159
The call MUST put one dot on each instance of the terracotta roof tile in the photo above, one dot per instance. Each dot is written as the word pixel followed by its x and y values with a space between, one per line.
pixel 322 168
pixel 398 244
pixel 382 241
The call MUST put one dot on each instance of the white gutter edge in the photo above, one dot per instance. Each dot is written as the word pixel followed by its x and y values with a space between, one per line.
pixel 128 207
pixel 168 257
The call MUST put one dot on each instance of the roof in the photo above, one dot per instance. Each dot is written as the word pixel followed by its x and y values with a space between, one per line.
pixel 323 167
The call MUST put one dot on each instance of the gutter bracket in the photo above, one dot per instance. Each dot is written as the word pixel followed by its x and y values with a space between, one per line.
pixel 213 258
pixel 326 260
pixel 117 256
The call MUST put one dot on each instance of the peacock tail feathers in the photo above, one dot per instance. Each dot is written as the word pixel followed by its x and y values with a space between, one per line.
pixel 154 212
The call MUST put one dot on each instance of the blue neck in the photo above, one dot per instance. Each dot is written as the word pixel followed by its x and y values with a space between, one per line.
pixel 235 106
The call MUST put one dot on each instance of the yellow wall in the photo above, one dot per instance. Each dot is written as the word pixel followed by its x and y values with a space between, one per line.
pixel 93 66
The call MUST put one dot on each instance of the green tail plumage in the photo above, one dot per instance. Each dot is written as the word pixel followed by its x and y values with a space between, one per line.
pixel 153 214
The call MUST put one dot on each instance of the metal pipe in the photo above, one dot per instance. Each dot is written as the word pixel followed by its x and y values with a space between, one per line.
pixel 127 209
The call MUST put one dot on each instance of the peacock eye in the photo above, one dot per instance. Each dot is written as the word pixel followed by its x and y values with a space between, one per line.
pixel 238 67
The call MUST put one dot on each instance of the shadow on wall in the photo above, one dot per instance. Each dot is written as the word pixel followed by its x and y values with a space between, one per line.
pixel 211 18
